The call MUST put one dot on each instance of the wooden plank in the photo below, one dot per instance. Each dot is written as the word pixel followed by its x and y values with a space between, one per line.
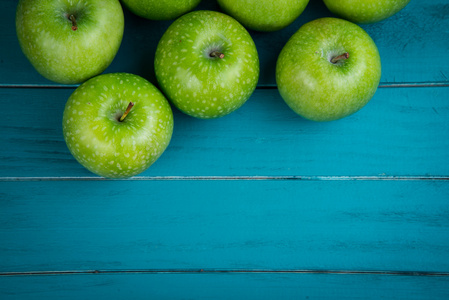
pixel 224 224
pixel 400 132
pixel 411 50
pixel 224 286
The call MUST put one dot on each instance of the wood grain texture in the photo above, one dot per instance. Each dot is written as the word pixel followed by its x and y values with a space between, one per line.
pixel 224 286
pixel 260 204
pixel 277 225
pixel 401 131
pixel 413 44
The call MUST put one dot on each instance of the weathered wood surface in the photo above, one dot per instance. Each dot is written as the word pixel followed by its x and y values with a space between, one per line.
pixel 413 44
pixel 225 286
pixel 399 225
pixel 402 131
pixel 259 204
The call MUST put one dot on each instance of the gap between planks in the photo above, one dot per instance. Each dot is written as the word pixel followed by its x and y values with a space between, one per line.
pixel 225 271
pixel 228 178
pixel 266 87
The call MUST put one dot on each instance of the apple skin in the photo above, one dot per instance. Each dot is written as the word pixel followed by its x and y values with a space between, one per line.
pixel 318 89
pixel 103 144
pixel 160 9
pixel 196 83
pixel 60 53
pixel 264 15
pixel 365 11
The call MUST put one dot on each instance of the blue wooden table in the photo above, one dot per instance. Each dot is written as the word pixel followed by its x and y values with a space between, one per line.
pixel 260 204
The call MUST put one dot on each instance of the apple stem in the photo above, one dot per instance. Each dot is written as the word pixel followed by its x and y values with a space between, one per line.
pixel 217 54
pixel 74 25
pixel 336 59
pixel 130 105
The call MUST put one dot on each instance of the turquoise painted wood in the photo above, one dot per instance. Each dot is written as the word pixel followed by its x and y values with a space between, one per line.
pixel 263 138
pixel 226 286
pixel 260 204
pixel 413 44
pixel 220 224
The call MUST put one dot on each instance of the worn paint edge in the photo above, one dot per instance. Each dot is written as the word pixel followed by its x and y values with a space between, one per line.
pixel 388 85
pixel 227 271
pixel 37 86
pixel 266 87
pixel 229 178
pixel 413 84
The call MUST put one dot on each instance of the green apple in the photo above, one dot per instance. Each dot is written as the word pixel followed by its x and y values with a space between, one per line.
pixel 264 15
pixel 207 64
pixel 365 11
pixel 160 9
pixel 330 68
pixel 117 125
pixel 69 41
